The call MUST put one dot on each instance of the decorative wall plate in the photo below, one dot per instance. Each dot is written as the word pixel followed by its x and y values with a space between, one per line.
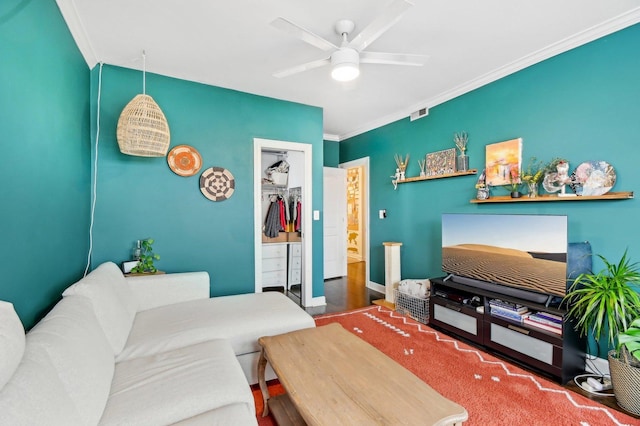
pixel 593 178
pixel 217 183
pixel 184 160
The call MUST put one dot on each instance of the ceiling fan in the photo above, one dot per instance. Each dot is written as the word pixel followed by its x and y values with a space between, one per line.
pixel 346 58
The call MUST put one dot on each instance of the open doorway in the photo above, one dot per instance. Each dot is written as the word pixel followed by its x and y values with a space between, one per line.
pixel 277 253
pixel 358 217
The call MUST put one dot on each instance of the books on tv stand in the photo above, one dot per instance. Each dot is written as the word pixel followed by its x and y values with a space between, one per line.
pixel 546 348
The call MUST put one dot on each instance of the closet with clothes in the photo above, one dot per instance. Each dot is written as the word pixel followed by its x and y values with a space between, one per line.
pixel 282 221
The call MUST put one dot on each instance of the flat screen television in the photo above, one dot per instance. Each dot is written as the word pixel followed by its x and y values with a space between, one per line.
pixel 526 253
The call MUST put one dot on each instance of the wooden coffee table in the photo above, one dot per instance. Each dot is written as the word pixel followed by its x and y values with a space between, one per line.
pixel 332 377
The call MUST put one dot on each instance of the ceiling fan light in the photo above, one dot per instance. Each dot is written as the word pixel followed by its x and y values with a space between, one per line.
pixel 345 64
pixel 345 72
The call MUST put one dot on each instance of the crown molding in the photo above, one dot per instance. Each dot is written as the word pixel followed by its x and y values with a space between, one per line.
pixel 78 31
pixel 330 137
pixel 605 28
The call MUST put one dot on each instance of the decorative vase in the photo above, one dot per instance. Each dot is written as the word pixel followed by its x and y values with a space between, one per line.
pixel 462 163
pixel 533 189
pixel 482 194
pixel 515 194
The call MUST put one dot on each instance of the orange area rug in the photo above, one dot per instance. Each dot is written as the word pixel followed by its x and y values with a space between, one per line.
pixel 493 391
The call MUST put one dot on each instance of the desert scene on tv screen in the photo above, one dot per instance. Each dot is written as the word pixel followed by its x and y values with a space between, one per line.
pixel 522 251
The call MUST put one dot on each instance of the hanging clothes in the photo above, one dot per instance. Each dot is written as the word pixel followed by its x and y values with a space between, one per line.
pixel 272 221
pixel 298 227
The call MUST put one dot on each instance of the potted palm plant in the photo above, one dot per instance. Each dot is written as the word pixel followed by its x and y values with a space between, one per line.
pixel 607 302
pixel 624 364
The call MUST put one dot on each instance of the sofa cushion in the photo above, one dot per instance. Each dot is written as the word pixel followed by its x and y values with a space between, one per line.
pixel 172 386
pixel 107 290
pixel 242 319
pixel 35 394
pixel 11 341
pixel 79 352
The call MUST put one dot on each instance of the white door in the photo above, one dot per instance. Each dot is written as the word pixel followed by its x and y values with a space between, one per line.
pixel 335 222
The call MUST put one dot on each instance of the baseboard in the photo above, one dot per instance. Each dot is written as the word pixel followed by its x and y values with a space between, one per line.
pixel 317 301
pixel 597 365
pixel 376 287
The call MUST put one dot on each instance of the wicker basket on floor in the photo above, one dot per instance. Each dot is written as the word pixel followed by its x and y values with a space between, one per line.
pixel 416 307
pixel 625 379
pixel 143 129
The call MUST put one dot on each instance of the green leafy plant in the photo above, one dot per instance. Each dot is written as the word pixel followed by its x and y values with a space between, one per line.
pixel 534 172
pixel 629 340
pixel 147 256
pixel 606 301
pixel 515 182
pixel 552 166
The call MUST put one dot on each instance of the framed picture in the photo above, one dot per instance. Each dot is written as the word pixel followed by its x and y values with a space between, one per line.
pixel 503 159
pixel 441 162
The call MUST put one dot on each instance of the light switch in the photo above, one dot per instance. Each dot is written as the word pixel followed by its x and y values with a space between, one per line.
pixel 316 215
pixel 382 214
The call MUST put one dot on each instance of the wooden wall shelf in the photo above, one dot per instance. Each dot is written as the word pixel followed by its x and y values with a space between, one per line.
pixel 554 197
pixel 448 175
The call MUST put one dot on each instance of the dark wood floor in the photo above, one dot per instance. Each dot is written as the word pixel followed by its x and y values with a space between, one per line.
pixel 343 293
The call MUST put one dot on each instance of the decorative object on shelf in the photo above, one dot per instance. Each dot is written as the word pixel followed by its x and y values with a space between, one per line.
pixel 556 181
pixel 217 184
pixel 147 257
pixel 395 179
pixel 593 178
pixel 184 160
pixel 500 159
pixel 515 182
pixel 278 172
pixel 441 162
pixel 481 187
pixel 423 167
pixel 607 302
pixel 402 165
pixel 532 176
pixel 142 127
pixel 460 140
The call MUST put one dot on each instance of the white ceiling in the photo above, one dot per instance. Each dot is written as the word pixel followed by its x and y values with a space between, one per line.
pixel 231 44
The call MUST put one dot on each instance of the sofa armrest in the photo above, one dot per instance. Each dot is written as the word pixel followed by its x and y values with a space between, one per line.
pixel 153 291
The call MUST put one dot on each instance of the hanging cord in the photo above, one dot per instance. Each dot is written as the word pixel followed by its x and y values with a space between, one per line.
pixel 95 174
pixel 144 72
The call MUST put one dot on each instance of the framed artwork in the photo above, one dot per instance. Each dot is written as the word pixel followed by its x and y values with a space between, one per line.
pixel 441 162
pixel 503 159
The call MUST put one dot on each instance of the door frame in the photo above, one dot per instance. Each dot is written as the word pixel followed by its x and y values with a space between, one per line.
pixel 364 162
pixel 307 225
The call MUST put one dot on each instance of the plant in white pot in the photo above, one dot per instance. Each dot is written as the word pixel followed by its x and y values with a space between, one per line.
pixel 624 363
pixel 608 302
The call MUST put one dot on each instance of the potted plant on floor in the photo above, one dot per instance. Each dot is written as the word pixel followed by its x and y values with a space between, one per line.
pixel 624 364
pixel 608 302
pixel 147 257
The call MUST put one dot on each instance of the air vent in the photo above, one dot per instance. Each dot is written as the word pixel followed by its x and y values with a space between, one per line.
pixel 423 112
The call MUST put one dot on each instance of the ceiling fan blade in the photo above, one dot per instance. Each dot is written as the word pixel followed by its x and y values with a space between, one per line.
pixel 390 16
pixel 303 67
pixel 303 34
pixel 393 58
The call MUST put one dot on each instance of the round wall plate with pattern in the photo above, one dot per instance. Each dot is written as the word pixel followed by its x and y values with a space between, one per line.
pixel 217 183
pixel 593 178
pixel 184 160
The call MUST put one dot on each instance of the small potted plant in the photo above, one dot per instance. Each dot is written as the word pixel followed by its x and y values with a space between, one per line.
pixel 532 176
pixel 147 257
pixel 607 302
pixel 515 182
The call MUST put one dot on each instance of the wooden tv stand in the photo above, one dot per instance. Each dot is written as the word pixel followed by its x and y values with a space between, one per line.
pixel 560 356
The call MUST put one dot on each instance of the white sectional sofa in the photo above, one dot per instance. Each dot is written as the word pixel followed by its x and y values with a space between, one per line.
pixel 150 350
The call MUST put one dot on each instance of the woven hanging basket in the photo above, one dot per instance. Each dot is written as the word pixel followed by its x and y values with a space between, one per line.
pixel 143 129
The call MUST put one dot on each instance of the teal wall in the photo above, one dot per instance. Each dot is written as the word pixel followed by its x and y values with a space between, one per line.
pixel 331 154
pixel 141 197
pixel 582 105
pixel 44 177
